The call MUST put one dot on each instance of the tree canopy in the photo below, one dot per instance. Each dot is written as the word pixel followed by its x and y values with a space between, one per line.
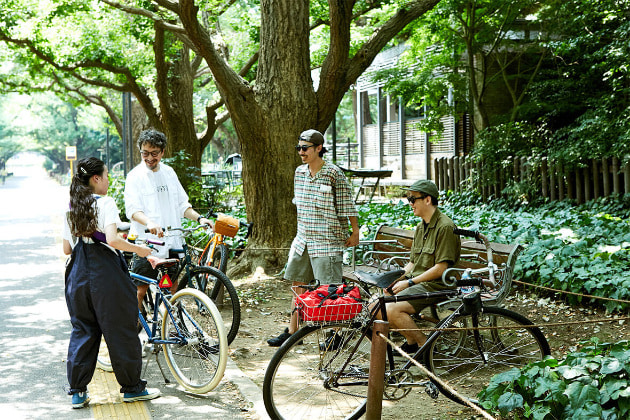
pixel 164 53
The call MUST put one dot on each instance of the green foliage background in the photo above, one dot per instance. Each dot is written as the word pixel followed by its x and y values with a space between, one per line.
pixel 582 249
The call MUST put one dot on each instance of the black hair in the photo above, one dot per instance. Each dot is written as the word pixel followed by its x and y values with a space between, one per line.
pixel 153 137
pixel 321 152
pixel 83 215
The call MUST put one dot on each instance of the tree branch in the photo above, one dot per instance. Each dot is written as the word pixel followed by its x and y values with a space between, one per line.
pixel 366 54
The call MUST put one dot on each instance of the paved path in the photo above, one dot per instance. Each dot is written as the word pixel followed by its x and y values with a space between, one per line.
pixel 35 325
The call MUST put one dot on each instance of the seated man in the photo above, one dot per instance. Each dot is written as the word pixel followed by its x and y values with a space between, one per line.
pixel 435 248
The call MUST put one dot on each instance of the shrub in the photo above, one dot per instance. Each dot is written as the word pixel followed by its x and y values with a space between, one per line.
pixel 592 383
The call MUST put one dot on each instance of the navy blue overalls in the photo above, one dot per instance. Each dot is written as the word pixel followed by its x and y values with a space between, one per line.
pixel 102 300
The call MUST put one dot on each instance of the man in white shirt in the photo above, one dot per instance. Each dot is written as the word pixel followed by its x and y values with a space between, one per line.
pixel 154 199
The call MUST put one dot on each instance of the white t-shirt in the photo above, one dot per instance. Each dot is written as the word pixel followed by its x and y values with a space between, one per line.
pixel 106 212
pixel 161 197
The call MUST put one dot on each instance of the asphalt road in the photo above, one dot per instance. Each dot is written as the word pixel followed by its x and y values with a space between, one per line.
pixel 35 326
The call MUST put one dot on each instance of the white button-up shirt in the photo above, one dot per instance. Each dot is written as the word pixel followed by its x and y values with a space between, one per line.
pixel 161 197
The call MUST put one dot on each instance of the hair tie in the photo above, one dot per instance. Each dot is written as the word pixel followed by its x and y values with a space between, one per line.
pixel 83 170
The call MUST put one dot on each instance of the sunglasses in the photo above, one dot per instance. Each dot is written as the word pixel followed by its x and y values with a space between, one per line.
pixel 303 148
pixel 144 153
pixel 412 199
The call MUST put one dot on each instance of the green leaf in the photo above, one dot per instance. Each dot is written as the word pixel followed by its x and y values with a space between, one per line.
pixel 579 394
pixel 540 412
pixel 509 401
pixel 610 365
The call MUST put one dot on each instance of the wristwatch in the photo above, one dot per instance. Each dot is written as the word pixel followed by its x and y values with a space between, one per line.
pixel 411 283
pixel 199 218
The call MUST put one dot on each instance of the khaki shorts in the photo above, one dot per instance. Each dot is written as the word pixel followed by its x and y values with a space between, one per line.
pixel 423 287
pixel 304 268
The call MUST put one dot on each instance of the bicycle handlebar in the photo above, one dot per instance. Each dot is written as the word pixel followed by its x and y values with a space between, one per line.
pixel 482 239
pixel 470 233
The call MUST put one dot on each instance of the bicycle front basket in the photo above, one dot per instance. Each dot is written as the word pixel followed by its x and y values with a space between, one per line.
pixel 226 225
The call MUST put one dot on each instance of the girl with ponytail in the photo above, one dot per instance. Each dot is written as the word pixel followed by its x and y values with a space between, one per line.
pixel 100 296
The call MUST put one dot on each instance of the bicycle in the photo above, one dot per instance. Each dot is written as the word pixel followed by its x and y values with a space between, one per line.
pixel 209 280
pixel 192 335
pixel 321 371
pixel 216 252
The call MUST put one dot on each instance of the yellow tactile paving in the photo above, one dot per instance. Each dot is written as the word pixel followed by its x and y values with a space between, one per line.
pixel 106 401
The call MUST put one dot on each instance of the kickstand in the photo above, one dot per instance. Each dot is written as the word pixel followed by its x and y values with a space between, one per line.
pixel 166 381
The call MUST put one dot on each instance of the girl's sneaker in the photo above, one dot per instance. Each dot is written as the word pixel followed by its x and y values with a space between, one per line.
pixel 146 394
pixel 80 399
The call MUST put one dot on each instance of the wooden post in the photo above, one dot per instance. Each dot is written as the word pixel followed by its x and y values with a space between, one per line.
pixel 552 182
pixel 515 168
pixel 479 180
pixel 376 380
pixel 438 174
pixel 456 179
pixel 543 177
pixel 586 174
pixel 451 173
pixel 560 175
pixel 579 186
pixel 470 173
pixel 615 175
pixel 606 175
pixel 595 168
pixel 462 173
pixel 626 177
pixel 501 181
pixel 570 180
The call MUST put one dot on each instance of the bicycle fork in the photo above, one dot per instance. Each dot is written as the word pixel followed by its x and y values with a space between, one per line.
pixel 472 305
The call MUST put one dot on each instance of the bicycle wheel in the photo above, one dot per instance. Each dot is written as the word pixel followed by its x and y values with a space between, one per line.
pixel 198 363
pixel 211 281
pixel 454 356
pixel 303 379
pixel 219 258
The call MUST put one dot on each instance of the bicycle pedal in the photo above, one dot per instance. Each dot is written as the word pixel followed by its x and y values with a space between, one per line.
pixel 431 390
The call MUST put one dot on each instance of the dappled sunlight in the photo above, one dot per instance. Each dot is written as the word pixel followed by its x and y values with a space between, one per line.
pixel 566 234
pixel 42 312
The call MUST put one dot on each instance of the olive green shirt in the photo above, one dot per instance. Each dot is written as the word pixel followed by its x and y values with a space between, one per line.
pixel 434 243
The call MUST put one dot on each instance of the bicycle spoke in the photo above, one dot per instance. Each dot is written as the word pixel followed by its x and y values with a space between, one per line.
pixel 319 376
pixel 198 359
pixel 455 358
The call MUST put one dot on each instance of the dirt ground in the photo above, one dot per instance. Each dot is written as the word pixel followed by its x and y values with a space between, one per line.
pixel 265 303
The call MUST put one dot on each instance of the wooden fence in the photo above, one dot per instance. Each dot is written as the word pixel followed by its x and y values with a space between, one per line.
pixel 592 179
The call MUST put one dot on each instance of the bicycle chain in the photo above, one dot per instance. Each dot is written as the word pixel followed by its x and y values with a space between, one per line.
pixel 388 374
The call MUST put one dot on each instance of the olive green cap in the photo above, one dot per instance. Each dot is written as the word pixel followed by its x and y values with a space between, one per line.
pixel 425 186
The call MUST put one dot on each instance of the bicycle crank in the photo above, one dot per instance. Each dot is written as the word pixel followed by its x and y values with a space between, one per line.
pixel 398 384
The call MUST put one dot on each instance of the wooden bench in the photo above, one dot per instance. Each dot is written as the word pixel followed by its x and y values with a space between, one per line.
pixel 390 248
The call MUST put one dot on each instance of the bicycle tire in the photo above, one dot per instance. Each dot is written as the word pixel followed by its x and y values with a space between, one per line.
pixel 199 364
pixel 207 279
pixel 295 384
pixel 219 258
pixel 455 359
pixel 102 360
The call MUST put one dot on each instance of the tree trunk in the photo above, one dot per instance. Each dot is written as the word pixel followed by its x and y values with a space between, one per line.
pixel 286 105
pixel 269 117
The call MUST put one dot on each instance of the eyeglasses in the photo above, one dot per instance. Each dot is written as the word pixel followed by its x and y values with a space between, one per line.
pixel 303 148
pixel 412 199
pixel 155 153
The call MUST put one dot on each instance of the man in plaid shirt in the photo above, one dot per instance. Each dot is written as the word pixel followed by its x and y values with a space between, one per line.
pixel 323 198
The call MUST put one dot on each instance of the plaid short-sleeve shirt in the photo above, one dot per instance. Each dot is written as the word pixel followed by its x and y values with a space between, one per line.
pixel 324 203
